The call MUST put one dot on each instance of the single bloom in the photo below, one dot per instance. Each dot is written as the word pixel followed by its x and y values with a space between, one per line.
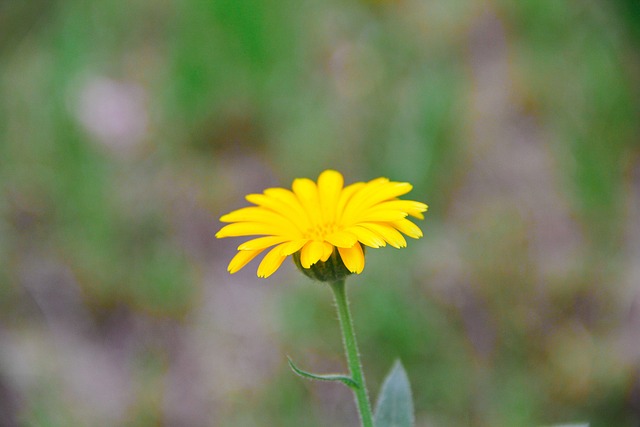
pixel 314 220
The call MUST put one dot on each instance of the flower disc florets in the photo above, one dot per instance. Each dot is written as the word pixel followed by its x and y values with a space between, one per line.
pixel 316 222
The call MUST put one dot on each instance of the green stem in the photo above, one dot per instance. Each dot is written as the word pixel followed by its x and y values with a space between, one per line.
pixel 351 349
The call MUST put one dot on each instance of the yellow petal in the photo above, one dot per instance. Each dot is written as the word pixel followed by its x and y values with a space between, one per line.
pixel 262 215
pixel 311 253
pixel 342 239
pixel 353 258
pixel 391 235
pixel 408 228
pixel 345 198
pixel 293 246
pixel 365 197
pixel 330 185
pixel 367 236
pixel 252 213
pixel 373 193
pixel 327 251
pixel 401 205
pixel 262 243
pixel 241 259
pixel 282 202
pixel 388 191
pixel 380 216
pixel 248 229
pixel 286 197
pixel 366 192
pixel 418 213
pixel 271 262
pixel 306 192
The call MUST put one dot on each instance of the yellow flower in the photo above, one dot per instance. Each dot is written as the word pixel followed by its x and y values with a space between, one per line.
pixel 317 219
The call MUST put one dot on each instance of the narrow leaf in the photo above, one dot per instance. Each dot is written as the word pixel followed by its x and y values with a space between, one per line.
pixel 395 404
pixel 348 381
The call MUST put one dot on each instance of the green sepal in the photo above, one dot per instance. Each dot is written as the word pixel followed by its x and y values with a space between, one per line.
pixel 395 403
pixel 348 381
pixel 331 270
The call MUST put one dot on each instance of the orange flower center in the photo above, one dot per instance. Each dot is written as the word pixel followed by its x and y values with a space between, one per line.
pixel 320 231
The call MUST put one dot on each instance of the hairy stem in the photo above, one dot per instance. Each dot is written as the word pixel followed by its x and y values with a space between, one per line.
pixel 351 350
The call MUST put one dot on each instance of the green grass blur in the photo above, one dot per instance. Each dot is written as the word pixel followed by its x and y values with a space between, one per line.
pixel 127 129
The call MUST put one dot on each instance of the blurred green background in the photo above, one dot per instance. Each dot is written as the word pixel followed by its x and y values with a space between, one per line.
pixel 128 128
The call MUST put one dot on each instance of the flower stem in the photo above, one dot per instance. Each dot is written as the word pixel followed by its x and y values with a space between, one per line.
pixel 351 350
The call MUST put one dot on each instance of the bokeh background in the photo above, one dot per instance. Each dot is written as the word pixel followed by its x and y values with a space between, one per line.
pixel 128 128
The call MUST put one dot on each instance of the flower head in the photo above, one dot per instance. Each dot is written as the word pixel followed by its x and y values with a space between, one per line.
pixel 317 219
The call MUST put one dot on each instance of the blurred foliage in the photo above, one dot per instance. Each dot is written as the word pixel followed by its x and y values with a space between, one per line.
pixel 126 131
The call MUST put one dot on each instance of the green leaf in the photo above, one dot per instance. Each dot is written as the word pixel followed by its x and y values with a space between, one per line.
pixel 348 381
pixel 395 404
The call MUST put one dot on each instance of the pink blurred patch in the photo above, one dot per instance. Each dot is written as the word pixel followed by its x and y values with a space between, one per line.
pixel 112 112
